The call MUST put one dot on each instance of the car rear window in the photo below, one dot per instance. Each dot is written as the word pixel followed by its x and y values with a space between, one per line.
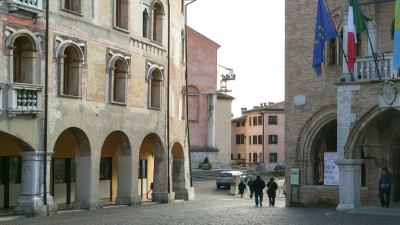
pixel 225 175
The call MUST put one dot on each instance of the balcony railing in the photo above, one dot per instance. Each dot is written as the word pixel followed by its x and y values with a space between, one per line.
pixel 366 69
pixel 33 6
pixel 24 99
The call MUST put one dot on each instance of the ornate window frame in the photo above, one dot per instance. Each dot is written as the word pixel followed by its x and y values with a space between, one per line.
pixel 12 35
pixel 150 69
pixel 112 59
pixel 61 45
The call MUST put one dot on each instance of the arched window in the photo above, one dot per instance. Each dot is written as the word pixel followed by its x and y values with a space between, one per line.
pixel 145 24
pixel 118 81
pixel 24 60
pixel 158 15
pixel 71 78
pixel 156 79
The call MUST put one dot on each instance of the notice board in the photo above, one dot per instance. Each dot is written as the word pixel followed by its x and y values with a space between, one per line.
pixel 331 170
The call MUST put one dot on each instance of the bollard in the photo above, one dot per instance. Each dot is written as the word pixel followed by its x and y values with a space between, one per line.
pixel 234 186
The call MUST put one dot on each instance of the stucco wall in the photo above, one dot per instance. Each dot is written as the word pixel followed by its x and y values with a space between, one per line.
pixel 223 130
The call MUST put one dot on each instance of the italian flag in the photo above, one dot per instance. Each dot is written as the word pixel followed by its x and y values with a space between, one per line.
pixel 355 26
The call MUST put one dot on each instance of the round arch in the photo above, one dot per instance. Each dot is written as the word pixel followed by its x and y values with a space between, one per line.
pixel 69 43
pixel 310 134
pixel 71 165
pixel 23 33
pixel 358 131
pixel 153 167
pixel 12 151
pixel 116 169
pixel 375 138
pixel 158 5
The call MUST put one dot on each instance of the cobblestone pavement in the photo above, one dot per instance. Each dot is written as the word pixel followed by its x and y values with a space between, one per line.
pixel 210 207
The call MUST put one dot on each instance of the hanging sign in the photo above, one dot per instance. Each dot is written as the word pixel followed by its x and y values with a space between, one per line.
pixel 295 176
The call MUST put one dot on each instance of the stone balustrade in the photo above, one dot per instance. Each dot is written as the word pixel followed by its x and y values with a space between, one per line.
pixel 32 6
pixel 30 3
pixel 24 99
pixel 365 68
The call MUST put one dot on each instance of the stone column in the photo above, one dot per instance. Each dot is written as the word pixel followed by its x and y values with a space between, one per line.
pixel 87 184
pixel 125 195
pixel 51 207
pixel 212 100
pixel 349 183
pixel 371 26
pixel 31 197
pixel 160 182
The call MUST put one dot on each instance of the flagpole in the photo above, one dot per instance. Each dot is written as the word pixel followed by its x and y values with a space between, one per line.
pixel 340 42
pixel 370 42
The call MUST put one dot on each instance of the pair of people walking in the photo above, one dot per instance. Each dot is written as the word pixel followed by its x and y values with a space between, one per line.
pixel 258 187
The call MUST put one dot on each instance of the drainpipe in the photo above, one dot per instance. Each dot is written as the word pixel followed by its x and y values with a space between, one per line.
pixel 46 81
pixel 187 93
pixel 168 92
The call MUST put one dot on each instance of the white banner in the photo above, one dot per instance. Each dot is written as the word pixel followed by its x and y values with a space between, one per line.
pixel 331 170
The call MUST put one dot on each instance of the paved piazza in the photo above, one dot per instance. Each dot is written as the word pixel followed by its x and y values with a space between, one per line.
pixel 210 207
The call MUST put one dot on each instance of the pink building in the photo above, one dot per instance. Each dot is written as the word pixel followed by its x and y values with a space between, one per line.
pixel 274 135
pixel 204 105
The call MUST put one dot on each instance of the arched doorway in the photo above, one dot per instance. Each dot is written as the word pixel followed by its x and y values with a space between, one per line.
pixel 11 169
pixel 378 144
pixel 178 171
pixel 324 148
pixel 115 169
pixel 70 169
pixel 153 170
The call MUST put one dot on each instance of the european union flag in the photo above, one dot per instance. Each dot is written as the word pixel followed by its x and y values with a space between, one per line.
pixel 324 30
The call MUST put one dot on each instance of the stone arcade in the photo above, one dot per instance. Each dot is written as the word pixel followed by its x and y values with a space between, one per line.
pixel 116 110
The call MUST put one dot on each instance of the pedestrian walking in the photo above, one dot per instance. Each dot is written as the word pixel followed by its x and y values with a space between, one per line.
pixel 272 187
pixel 258 185
pixel 250 184
pixel 241 187
pixel 385 186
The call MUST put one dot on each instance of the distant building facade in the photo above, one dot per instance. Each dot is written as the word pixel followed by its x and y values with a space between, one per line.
pixel 341 128
pixel 274 135
pixel 255 143
pixel 205 107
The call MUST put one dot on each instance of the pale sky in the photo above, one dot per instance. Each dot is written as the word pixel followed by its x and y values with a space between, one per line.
pixel 252 38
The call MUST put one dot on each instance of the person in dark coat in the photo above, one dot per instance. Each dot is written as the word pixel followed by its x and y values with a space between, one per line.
pixel 258 185
pixel 272 187
pixel 241 187
pixel 385 186
pixel 250 184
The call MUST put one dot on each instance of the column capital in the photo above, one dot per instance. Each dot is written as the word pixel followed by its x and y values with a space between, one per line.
pixel 32 155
